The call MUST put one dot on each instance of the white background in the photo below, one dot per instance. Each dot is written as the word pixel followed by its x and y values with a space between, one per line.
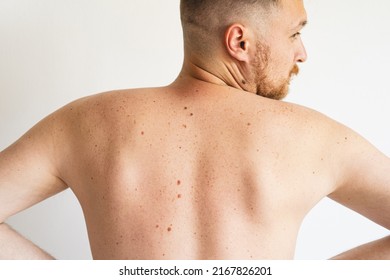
pixel 54 51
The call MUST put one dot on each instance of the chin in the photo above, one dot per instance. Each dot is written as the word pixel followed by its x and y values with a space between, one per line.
pixel 276 94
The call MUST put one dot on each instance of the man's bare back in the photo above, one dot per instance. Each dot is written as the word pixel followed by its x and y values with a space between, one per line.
pixel 177 174
pixel 203 168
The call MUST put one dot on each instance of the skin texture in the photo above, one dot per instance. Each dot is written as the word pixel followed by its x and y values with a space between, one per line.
pixel 204 168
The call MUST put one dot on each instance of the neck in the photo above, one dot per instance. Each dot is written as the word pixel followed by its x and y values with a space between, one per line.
pixel 213 73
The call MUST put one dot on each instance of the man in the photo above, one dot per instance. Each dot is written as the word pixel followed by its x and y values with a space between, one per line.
pixel 213 166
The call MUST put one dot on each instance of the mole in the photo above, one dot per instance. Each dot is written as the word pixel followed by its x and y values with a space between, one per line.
pixel 178 182
pixel 169 229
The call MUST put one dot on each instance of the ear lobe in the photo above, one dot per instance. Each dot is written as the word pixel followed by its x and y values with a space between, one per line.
pixel 236 42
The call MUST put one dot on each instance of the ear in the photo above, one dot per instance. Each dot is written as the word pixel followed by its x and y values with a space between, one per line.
pixel 237 43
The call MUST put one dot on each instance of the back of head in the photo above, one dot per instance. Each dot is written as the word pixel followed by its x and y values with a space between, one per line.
pixel 204 21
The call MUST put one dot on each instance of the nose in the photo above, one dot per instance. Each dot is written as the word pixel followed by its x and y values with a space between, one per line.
pixel 301 55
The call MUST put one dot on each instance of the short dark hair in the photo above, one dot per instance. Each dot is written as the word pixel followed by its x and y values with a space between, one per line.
pixel 210 18
pixel 196 11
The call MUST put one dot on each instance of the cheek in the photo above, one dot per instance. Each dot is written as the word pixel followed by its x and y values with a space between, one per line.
pixel 282 58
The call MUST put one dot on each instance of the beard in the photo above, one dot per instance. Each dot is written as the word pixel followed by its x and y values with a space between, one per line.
pixel 267 86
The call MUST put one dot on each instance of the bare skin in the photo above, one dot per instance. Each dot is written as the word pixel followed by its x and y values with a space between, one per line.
pixel 200 169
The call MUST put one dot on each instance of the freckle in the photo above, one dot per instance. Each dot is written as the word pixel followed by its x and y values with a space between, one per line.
pixel 178 182
pixel 179 196
pixel 142 133
pixel 92 178
pixel 185 126
pixel 157 226
pixel 346 138
pixel 117 243
pixel 249 124
pixel 196 90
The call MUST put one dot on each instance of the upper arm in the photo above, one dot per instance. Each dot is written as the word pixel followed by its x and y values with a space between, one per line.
pixel 28 169
pixel 363 176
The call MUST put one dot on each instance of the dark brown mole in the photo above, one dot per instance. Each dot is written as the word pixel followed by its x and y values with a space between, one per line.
pixel 179 196
pixel 191 114
pixel 178 182
pixel 169 229
pixel 249 124
pixel 244 82
pixel 185 108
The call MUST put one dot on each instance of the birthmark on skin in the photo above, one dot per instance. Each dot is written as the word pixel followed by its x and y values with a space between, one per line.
pixel 191 114
pixel 91 178
pixel 184 125
pixel 244 82
pixel 178 182
pixel 249 124
pixel 142 133
pixel 179 196
pixel 185 108
pixel 169 229
pixel 157 226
